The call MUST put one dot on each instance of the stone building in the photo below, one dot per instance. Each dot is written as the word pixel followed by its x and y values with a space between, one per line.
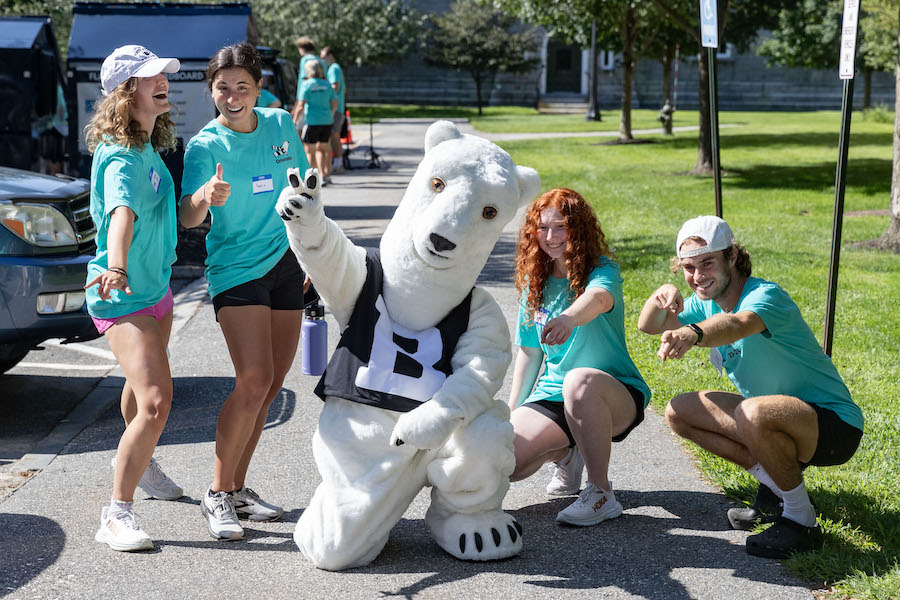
pixel 745 81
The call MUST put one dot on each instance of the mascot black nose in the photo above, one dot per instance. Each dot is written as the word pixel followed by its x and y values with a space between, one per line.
pixel 441 243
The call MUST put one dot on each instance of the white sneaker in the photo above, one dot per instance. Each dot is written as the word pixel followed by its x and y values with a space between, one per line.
pixel 156 483
pixel 594 505
pixel 221 519
pixel 120 531
pixel 247 503
pixel 566 479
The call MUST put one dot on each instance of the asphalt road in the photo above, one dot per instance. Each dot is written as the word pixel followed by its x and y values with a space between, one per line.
pixel 672 542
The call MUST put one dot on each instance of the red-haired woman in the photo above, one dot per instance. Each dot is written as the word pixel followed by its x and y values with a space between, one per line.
pixel 571 321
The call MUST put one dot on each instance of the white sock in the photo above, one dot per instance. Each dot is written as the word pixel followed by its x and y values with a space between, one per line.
pixel 764 478
pixel 119 506
pixel 798 508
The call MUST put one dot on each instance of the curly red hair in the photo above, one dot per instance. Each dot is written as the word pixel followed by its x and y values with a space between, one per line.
pixel 585 246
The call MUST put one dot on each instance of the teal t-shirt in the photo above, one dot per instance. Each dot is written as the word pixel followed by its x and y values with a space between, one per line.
pixel 598 344
pixel 265 98
pixel 301 73
pixel 336 75
pixel 247 237
pixel 318 94
pixel 138 179
pixel 784 359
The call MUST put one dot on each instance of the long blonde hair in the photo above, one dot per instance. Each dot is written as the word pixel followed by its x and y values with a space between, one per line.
pixel 112 121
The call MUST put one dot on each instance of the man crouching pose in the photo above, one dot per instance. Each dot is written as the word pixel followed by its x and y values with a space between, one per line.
pixel 793 409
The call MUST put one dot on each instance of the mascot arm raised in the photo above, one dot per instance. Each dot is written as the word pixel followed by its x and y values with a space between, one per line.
pixel 334 264
pixel 480 361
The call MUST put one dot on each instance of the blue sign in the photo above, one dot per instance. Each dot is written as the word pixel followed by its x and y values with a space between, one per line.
pixel 709 23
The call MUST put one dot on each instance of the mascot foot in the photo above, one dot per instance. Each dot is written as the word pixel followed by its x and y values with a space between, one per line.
pixel 489 535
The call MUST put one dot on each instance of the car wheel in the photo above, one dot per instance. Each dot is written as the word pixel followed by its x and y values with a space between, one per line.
pixel 11 355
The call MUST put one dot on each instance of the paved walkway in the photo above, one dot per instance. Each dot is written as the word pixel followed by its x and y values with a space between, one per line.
pixel 672 542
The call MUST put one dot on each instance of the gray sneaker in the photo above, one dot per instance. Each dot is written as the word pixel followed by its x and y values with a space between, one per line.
pixel 221 518
pixel 249 505
pixel 566 479
pixel 157 484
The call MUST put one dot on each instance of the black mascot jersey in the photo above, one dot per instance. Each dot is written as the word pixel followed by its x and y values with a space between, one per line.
pixel 383 364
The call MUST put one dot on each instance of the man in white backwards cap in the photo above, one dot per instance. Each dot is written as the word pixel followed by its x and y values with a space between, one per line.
pixel 792 408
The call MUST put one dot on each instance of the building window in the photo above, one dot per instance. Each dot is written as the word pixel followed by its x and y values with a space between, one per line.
pixel 606 60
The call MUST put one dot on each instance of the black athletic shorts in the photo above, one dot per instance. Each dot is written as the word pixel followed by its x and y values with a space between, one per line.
pixel 838 440
pixel 312 134
pixel 556 412
pixel 279 289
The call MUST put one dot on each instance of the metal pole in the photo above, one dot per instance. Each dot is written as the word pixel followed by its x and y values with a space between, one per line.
pixel 840 184
pixel 593 113
pixel 714 127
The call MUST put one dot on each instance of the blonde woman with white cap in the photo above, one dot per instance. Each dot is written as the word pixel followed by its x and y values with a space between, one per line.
pixel 128 296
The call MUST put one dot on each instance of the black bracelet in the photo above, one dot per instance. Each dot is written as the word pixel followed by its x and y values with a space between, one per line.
pixel 118 270
pixel 698 331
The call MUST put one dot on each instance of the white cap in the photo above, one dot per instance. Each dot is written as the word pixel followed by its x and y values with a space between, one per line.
pixel 711 229
pixel 133 61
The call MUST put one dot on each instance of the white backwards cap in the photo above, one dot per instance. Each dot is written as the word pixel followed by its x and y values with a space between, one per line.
pixel 711 229
pixel 133 61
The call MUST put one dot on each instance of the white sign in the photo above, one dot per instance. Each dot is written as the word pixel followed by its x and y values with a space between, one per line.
pixel 848 39
pixel 709 23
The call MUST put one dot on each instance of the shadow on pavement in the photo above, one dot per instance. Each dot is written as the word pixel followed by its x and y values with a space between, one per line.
pixel 193 417
pixel 24 562
pixel 360 213
pixel 672 525
pixel 500 267
pixel 681 539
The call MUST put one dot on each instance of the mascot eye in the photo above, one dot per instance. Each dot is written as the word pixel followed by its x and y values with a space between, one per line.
pixel 489 212
pixel 438 185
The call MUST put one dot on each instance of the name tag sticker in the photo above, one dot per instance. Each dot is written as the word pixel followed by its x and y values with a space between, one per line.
pixel 154 179
pixel 715 357
pixel 540 316
pixel 263 184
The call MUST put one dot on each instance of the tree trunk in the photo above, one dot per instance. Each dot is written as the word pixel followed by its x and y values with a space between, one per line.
pixel 891 238
pixel 628 34
pixel 867 88
pixel 704 164
pixel 667 60
pixel 477 77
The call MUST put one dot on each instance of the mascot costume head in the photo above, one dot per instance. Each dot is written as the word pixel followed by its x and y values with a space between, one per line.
pixel 409 391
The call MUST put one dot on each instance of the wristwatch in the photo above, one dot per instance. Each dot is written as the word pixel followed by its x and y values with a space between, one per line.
pixel 698 331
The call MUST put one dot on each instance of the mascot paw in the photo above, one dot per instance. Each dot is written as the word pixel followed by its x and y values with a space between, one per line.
pixel 426 427
pixel 489 535
pixel 300 200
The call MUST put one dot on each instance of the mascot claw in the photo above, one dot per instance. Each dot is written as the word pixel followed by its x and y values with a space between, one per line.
pixel 300 195
pixel 427 427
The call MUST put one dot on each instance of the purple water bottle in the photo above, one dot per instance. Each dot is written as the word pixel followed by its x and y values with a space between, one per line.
pixel 314 340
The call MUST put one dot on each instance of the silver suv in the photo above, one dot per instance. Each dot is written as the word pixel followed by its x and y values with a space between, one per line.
pixel 46 240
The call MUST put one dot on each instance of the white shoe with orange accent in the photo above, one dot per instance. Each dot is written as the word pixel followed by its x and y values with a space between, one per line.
pixel 119 530
pixel 594 505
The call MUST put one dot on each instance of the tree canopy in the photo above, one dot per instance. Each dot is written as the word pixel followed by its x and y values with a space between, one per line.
pixel 361 32
pixel 480 40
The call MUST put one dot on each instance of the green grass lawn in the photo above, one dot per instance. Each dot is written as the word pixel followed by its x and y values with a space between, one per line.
pixel 515 119
pixel 778 197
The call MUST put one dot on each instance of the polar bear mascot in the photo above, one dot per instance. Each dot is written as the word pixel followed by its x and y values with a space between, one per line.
pixel 409 391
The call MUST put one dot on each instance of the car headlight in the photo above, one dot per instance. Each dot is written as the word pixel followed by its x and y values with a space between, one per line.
pixel 38 224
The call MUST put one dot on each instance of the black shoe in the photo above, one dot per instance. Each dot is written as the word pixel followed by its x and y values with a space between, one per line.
pixel 766 508
pixel 784 538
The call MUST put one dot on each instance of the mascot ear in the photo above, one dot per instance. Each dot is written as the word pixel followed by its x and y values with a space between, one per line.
pixel 529 184
pixel 440 131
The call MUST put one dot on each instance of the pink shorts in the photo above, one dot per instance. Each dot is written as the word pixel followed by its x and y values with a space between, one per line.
pixel 158 310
